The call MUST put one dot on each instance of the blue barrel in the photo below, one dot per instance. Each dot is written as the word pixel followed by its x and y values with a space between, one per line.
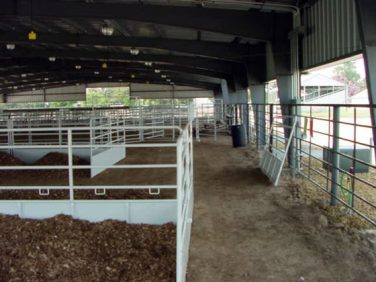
pixel 238 135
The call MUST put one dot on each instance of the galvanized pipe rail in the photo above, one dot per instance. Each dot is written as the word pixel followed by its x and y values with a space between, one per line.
pixel 179 210
pixel 338 130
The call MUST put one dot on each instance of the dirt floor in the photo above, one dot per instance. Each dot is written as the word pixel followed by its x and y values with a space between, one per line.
pixel 244 229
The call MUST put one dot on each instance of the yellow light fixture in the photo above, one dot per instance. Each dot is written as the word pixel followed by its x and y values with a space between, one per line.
pixel 104 66
pixel 32 35
pixel 133 75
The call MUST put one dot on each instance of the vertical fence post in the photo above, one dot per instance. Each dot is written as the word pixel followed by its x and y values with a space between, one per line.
pixel 335 155
pixel 179 113
pixel 256 124
pixel 353 167
pixel 140 124
pixel 197 129
pixel 30 134
pixel 70 171
pixel 293 150
pixel 298 138
pixel 109 130
pixel 59 122
pixel 271 117
pixel 117 130
pixel 215 129
pixel 10 135
pixel 179 191
pixel 246 118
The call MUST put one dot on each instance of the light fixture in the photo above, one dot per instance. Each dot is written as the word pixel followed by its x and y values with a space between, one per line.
pixel 133 75
pixel 134 51
pixel 77 84
pixel 23 74
pixel 15 87
pixel 120 80
pixel 10 46
pixel 107 30
pixel 46 78
pixel 148 64
pixel 52 59
pixel 63 82
pixel 96 72
pixel 78 67
pixel 157 71
pixel 163 75
pixel 110 76
pixel 33 89
pixel 104 65
pixel 168 80
pixel 32 35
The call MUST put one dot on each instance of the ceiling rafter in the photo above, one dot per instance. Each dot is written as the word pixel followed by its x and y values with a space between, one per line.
pixel 198 62
pixel 219 50
pixel 252 23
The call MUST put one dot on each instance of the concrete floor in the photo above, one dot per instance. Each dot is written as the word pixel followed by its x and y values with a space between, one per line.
pixel 244 229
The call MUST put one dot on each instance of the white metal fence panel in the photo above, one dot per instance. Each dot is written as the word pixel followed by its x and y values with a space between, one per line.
pixel 273 155
pixel 184 200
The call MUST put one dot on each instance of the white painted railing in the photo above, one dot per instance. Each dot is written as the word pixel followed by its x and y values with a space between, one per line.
pixel 185 200
pixel 210 119
pixel 149 211
pixel 172 115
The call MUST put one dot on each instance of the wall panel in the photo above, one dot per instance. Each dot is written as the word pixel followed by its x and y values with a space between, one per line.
pixel 331 32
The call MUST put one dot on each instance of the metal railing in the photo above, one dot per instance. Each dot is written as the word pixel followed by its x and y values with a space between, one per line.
pixel 153 211
pixel 332 148
pixel 310 96
pixel 184 174
pixel 216 118
pixel 172 115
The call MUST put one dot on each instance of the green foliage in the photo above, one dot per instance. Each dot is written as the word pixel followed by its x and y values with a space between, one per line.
pixel 157 102
pixel 64 104
pixel 348 74
pixel 102 97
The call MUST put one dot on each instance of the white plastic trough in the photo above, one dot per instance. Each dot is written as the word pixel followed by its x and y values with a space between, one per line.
pixel 131 211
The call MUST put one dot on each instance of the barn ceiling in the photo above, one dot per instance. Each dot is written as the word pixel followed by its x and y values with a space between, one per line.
pixel 193 43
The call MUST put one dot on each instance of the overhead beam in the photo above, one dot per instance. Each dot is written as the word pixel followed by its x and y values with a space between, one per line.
pixel 17 68
pixel 252 23
pixel 84 78
pixel 21 66
pixel 221 50
pixel 72 81
pixel 6 75
pixel 40 77
pixel 197 62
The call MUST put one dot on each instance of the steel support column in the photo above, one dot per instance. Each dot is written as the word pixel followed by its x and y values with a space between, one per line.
pixel 258 99
pixel 289 89
pixel 335 155
pixel 366 10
